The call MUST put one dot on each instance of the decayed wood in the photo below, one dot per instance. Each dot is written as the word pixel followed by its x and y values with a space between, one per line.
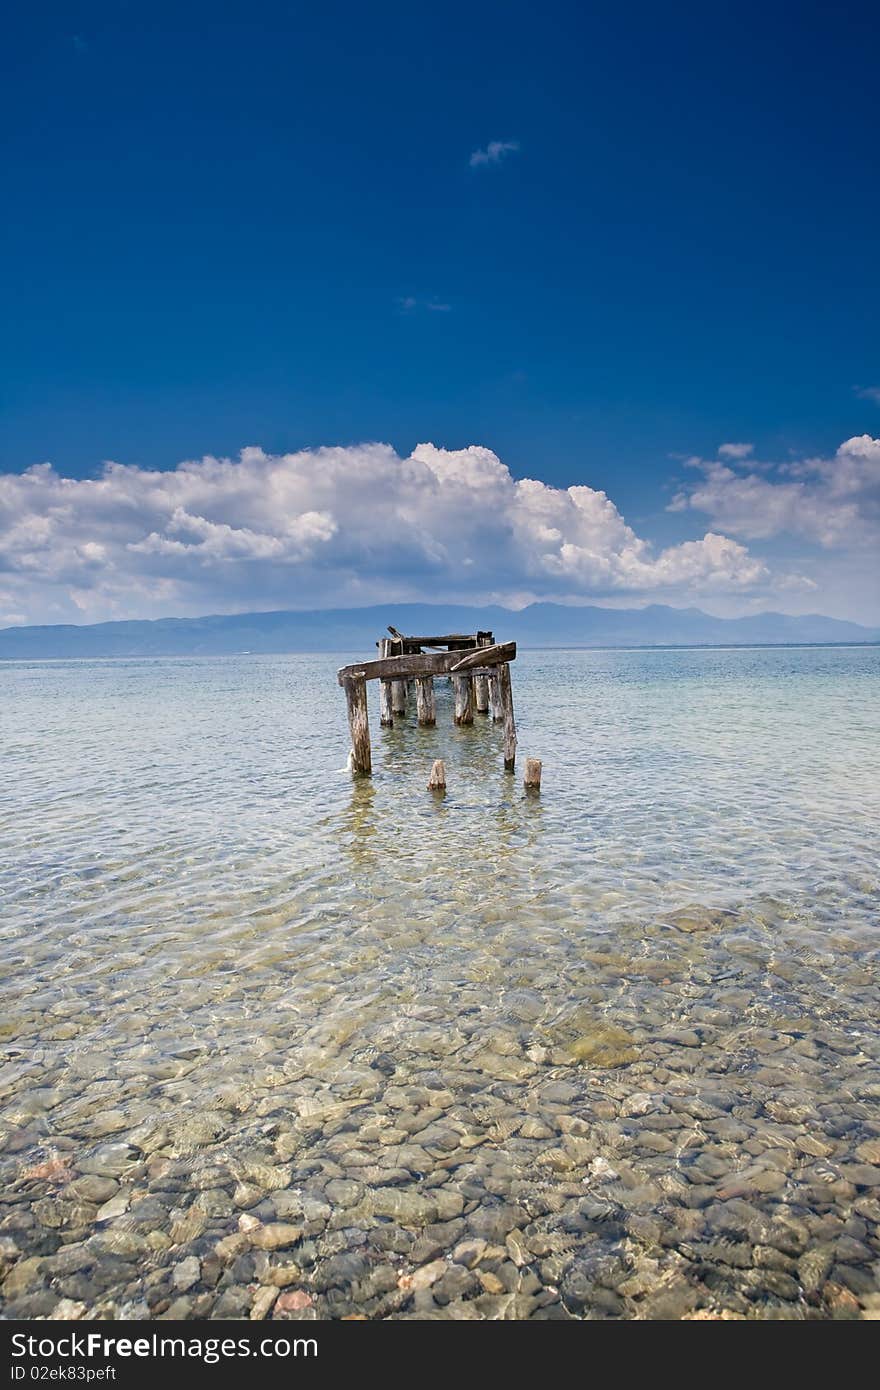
pixel 506 701
pixel 437 780
pixel 425 709
pixel 463 687
pixel 402 668
pixel 474 639
pixel 481 682
pixel 532 779
pixel 386 708
pixel 355 688
pixel 485 656
pixel 495 696
pixel 398 697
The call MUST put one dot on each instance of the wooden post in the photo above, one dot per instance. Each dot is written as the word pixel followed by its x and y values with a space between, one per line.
pixel 495 697
pixel 532 779
pixel 481 694
pixel 425 708
pixel 463 686
pixel 481 683
pixel 437 780
pixel 398 697
pixel 506 700
pixel 386 705
pixel 355 688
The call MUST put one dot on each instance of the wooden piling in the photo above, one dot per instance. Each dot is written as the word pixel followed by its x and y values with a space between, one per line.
pixel 355 688
pixel 463 686
pixel 398 697
pixel 386 704
pixel 506 700
pixel 495 698
pixel 425 709
pixel 437 780
pixel 481 694
pixel 532 779
pixel 481 682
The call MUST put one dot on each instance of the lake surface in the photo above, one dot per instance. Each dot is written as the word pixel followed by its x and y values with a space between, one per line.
pixel 281 1044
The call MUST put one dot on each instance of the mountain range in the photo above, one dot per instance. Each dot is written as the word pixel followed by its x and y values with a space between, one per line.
pixel 356 629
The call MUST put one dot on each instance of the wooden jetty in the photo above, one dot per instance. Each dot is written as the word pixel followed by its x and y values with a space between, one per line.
pixel 477 665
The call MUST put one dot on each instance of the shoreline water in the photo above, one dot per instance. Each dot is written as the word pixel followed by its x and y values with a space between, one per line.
pixel 283 1045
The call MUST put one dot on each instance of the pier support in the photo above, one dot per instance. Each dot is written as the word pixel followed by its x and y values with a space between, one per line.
pixel 532 779
pixel 398 697
pixel 437 780
pixel 463 686
pixel 355 688
pixel 481 694
pixel 425 709
pixel 505 693
pixel 481 682
pixel 386 706
pixel 495 698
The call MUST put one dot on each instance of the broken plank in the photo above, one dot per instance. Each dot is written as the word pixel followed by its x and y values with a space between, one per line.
pixel 401 668
pixel 485 656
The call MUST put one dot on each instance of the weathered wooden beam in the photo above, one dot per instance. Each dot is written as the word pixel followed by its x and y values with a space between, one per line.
pixel 485 656
pixel 398 697
pixel 386 706
pixel 506 697
pixel 463 687
pixel 437 779
pixel 474 638
pixel 355 688
pixel 402 668
pixel 425 708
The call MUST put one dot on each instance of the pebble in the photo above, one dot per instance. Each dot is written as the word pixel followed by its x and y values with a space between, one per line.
pixel 276 1236
pixel 187 1273
pixel 262 1305
pixel 116 1206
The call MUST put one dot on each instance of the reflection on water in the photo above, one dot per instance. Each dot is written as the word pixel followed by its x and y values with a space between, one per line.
pixel 283 1044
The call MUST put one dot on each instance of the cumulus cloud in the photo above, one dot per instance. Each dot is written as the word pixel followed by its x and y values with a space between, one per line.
pixel 330 526
pixel 495 151
pixel 736 451
pixel 831 502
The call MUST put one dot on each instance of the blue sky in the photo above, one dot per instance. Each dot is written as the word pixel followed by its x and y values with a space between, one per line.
pixel 244 225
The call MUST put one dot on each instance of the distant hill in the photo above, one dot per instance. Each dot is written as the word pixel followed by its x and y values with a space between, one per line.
pixel 353 629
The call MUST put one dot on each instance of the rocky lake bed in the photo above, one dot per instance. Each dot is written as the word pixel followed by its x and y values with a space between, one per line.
pixel 339 1053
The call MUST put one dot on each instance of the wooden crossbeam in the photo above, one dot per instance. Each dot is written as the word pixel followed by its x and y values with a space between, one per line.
pixel 471 638
pixel 484 656
pixel 408 667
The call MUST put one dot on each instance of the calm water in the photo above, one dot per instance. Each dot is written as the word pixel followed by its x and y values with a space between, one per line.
pixel 280 1044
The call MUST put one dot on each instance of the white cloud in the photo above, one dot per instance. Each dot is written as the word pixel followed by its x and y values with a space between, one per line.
pixel 495 151
pixel 831 502
pixel 408 304
pixel 736 451
pixel 868 393
pixel 331 526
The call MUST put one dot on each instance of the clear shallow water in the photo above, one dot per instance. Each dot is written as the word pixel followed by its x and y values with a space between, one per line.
pixel 610 1052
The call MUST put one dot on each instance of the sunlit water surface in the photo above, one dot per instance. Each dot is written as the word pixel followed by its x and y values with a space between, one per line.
pixel 281 1044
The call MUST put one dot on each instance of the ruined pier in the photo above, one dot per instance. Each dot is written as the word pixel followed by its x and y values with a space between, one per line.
pixel 478 666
